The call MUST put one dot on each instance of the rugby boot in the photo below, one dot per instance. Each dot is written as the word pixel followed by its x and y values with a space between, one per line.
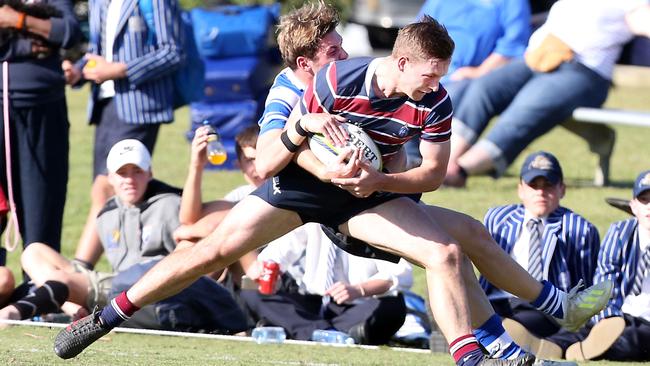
pixel 79 334
pixel 580 306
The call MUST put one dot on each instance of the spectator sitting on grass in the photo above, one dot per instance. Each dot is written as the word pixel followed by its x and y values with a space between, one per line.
pixel 330 289
pixel 135 228
pixel 198 219
pixel 621 332
pixel 551 242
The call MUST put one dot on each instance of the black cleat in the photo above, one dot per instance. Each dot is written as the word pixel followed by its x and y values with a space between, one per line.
pixel 78 335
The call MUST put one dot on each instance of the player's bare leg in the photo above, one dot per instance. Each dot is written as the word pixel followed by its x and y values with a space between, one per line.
pixel 251 224
pixel 487 256
pixel 42 264
pixel 402 227
pixel 571 310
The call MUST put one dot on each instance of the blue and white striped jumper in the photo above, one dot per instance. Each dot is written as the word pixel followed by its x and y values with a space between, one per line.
pixel 146 94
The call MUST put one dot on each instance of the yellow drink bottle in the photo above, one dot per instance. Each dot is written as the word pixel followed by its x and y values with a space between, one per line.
pixel 216 152
pixel 90 64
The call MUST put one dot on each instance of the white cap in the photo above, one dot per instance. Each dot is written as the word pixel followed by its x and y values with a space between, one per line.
pixel 129 151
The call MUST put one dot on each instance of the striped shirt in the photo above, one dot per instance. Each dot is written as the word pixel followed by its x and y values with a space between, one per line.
pixel 345 88
pixel 146 94
pixel 570 245
pixel 618 261
pixel 284 95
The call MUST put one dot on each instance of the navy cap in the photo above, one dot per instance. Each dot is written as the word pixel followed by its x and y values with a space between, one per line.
pixel 541 164
pixel 642 183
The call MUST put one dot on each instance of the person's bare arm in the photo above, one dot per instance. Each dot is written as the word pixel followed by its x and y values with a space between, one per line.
pixel 492 62
pixel 273 155
pixel 424 178
pixel 343 292
pixel 191 201
pixel 11 18
pixel 343 167
pixel 99 70
pixel 638 20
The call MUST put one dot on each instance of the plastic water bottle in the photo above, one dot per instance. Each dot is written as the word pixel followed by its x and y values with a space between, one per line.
pixel 216 152
pixel 331 336
pixel 53 318
pixel 268 335
pixel 57 318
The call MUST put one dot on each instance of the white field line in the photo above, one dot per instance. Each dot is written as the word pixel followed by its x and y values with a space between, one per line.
pixel 208 336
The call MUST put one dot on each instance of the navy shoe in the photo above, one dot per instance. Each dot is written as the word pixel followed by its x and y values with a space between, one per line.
pixel 77 336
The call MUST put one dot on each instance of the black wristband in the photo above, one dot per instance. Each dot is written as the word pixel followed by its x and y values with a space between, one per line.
pixel 288 143
pixel 83 263
pixel 301 131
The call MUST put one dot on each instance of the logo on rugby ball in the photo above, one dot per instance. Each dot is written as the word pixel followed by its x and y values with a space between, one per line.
pixel 327 153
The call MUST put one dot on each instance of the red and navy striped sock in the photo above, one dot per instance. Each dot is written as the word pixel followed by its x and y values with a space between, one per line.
pixel 466 351
pixel 117 311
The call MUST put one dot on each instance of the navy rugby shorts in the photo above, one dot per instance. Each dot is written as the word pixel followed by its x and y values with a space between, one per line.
pixel 297 190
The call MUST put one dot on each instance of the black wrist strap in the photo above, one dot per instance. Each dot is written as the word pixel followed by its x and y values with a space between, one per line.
pixel 83 263
pixel 301 131
pixel 288 143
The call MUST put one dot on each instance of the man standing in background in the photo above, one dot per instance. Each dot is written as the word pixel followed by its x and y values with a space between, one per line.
pixel 131 68
pixel 34 175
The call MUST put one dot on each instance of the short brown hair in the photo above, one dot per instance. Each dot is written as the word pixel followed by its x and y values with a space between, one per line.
pixel 301 31
pixel 423 40
pixel 246 138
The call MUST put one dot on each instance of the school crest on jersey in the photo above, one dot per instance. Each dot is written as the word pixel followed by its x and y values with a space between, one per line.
pixel 146 234
pixel 403 132
pixel 113 239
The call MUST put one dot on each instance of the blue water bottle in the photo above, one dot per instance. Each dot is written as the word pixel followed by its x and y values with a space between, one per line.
pixel 268 335
pixel 331 336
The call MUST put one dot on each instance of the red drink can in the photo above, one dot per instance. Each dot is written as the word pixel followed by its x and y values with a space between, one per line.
pixel 270 274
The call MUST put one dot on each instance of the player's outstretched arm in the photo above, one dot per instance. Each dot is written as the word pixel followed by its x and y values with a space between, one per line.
pixel 191 201
pixel 343 167
pixel 276 148
pixel 424 178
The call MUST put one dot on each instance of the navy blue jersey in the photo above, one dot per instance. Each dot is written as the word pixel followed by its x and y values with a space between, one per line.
pixel 345 88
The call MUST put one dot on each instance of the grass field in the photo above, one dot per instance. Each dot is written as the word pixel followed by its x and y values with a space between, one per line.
pixel 32 346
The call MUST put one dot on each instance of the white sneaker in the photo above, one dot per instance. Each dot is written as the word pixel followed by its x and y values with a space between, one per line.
pixel 580 306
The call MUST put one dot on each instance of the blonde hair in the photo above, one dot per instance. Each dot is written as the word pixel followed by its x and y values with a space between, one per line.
pixel 423 40
pixel 301 31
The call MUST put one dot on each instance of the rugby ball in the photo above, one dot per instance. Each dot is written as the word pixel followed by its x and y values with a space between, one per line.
pixel 326 152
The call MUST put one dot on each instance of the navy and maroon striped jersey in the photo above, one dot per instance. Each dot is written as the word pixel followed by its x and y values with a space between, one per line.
pixel 345 88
